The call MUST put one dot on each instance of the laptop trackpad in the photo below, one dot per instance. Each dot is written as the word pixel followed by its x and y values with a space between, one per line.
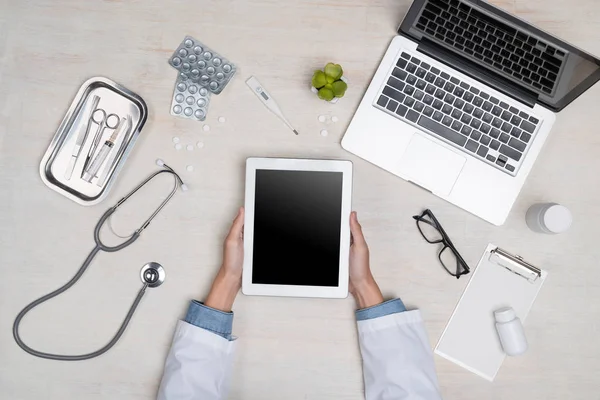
pixel 430 165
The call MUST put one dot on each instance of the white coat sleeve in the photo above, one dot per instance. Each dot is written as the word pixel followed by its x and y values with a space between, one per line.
pixel 397 358
pixel 198 367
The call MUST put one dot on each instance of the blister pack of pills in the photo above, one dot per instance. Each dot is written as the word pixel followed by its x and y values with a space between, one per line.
pixel 190 100
pixel 202 64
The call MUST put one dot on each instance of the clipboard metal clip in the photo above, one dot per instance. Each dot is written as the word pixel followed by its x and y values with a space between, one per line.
pixel 515 264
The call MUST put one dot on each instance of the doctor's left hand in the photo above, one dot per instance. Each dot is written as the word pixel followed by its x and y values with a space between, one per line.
pixel 228 281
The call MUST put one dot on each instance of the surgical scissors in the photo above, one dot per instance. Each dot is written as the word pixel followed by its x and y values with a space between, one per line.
pixel 149 278
pixel 103 123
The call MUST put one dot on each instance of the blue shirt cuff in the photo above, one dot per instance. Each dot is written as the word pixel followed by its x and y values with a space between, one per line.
pixel 380 310
pixel 216 321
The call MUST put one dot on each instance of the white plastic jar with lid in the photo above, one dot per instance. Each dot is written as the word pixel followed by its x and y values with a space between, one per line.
pixel 550 218
pixel 510 331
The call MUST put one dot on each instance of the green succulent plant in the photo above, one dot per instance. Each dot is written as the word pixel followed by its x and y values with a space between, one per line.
pixel 328 82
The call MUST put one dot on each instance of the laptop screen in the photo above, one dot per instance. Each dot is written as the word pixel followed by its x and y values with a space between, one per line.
pixel 489 39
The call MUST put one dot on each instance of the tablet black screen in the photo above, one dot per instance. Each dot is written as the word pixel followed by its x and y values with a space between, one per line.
pixel 297 228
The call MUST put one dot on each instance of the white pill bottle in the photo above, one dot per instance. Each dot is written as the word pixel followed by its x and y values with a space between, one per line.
pixel 510 331
pixel 549 218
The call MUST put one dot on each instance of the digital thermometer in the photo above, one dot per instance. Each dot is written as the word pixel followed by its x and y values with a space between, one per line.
pixel 267 100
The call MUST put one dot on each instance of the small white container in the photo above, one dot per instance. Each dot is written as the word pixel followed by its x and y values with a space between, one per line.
pixel 549 218
pixel 510 331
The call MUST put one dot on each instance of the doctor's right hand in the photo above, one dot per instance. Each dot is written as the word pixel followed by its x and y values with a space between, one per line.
pixel 228 281
pixel 362 284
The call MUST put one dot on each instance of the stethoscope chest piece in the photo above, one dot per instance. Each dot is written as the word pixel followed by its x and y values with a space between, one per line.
pixel 152 274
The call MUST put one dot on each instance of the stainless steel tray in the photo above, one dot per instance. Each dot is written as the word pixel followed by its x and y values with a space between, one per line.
pixel 114 99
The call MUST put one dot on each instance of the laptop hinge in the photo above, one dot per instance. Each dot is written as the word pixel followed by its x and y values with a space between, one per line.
pixel 483 75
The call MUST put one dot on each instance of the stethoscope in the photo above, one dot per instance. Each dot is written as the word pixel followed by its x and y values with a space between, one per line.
pixel 152 274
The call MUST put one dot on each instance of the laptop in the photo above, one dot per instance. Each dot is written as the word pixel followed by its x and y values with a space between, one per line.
pixel 463 101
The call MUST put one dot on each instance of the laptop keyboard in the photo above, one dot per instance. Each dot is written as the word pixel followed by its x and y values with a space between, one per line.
pixel 493 43
pixel 468 118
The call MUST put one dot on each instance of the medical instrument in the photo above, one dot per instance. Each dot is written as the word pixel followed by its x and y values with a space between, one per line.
pixel 267 100
pixel 202 65
pixel 152 274
pixel 84 131
pixel 94 167
pixel 103 123
pixel 120 101
pixel 115 156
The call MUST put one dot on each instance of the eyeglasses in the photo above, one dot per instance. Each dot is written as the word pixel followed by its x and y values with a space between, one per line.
pixel 432 231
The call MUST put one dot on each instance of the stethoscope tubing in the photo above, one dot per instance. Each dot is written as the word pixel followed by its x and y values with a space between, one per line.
pixel 100 246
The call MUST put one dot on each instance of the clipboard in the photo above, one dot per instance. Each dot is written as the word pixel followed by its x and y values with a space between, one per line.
pixel 501 280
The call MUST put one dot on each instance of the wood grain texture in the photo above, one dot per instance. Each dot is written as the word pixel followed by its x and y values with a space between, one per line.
pixel 293 349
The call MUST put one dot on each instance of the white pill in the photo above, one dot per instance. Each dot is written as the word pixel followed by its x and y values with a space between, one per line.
pixel 200 145
pixel 160 162
pixel 189 168
pixel 176 139
pixel 189 147
pixel 188 111
pixel 322 118
pixel 222 119
pixel 177 109
pixel 206 128
pixel 178 146
pixel 179 97
pixel 324 132
pixel 335 119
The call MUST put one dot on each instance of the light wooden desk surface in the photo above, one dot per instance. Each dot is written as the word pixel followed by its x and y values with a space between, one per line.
pixel 294 349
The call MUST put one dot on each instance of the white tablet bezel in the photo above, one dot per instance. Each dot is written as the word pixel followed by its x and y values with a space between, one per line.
pixel 253 164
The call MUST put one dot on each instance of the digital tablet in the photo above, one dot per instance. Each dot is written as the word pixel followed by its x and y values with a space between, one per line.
pixel 297 227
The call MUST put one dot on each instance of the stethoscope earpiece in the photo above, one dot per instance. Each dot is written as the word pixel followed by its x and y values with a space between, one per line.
pixel 152 274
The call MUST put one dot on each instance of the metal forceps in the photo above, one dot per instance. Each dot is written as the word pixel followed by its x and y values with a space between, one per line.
pixel 103 121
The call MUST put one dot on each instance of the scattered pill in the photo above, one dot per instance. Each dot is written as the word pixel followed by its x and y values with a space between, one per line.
pixel 206 128
pixel 324 132
pixel 221 119
pixel 200 145
pixel 178 146
pixel 335 119
pixel 189 147
pixel 176 140
pixel 160 162
pixel 322 118
pixel 189 168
